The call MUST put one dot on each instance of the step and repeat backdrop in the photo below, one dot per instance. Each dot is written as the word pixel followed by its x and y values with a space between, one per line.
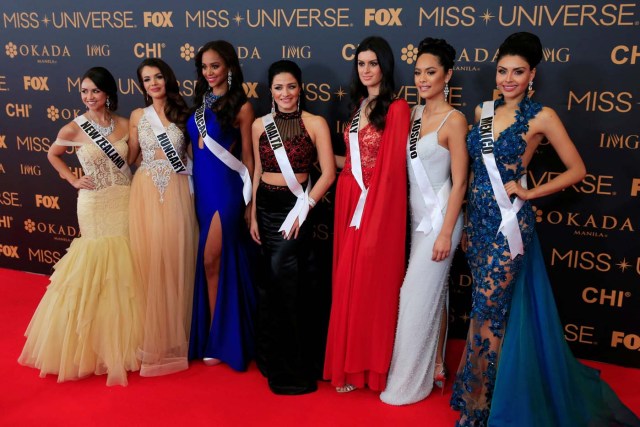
pixel 589 75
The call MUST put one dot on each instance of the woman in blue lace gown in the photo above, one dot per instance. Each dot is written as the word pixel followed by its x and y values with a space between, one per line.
pixel 224 299
pixel 537 382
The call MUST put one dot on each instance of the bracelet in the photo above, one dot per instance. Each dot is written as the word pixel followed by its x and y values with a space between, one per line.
pixel 312 202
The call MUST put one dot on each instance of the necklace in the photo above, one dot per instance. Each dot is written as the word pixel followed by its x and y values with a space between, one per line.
pixel 210 98
pixel 104 130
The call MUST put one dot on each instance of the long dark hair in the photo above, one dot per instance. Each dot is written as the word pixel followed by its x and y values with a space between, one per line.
pixel 103 79
pixel 229 105
pixel 176 108
pixel 385 97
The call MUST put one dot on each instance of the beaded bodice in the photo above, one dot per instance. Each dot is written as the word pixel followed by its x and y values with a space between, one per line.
pixel 154 161
pixel 297 142
pixel 369 139
pixel 99 167
pixel 509 146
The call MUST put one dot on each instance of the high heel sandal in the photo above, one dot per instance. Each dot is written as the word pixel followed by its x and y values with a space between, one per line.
pixel 440 377
pixel 346 388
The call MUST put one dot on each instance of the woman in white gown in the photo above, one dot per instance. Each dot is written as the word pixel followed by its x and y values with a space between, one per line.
pixel 437 160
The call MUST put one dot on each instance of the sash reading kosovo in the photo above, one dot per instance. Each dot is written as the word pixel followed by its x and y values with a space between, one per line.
pixel 433 218
pixel 508 211
pixel 104 144
pixel 224 155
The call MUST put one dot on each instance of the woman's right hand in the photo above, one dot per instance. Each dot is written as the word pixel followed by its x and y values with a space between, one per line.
pixel 253 229
pixel 84 183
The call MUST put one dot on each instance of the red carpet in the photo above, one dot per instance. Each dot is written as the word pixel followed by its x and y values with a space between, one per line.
pixel 214 396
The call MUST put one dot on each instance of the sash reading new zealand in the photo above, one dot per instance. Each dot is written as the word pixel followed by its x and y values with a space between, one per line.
pixel 104 144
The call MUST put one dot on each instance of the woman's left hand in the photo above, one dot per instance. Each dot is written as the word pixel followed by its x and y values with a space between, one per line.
pixel 514 187
pixel 441 248
pixel 293 232
pixel 247 215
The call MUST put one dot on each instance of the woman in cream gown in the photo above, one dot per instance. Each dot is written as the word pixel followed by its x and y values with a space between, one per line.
pixel 163 223
pixel 89 321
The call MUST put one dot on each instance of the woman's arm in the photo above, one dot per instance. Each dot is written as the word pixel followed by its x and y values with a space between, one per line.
pixel 319 132
pixel 68 133
pixel 456 132
pixel 547 124
pixel 134 143
pixel 256 130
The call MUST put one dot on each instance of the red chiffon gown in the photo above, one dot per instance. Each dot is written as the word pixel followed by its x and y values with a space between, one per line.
pixel 369 262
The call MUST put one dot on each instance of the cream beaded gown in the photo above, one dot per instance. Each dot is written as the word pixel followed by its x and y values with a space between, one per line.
pixel 89 321
pixel 163 231
pixel 423 295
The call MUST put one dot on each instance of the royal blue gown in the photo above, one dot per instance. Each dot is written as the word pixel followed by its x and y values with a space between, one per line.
pixel 521 372
pixel 230 337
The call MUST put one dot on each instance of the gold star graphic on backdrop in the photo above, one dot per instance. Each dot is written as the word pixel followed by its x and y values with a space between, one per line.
pixel 45 20
pixel 486 16
pixel 623 264
pixel 238 18
pixel 340 93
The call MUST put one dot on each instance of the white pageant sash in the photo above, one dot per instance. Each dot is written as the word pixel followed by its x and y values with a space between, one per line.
pixel 435 203
pixel 167 146
pixel 356 168
pixel 165 143
pixel 301 209
pixel 104 144
pixel 224 155
pixel 508 210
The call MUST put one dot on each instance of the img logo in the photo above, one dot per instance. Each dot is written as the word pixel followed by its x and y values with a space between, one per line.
pixel 383 17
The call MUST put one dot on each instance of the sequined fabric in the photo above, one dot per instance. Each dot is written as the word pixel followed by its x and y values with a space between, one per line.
pixel 297 143
pixel 369 142
pixel 492 268
pixel 154 161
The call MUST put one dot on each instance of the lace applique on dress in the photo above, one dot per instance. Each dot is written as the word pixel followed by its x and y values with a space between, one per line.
pixel 99 167
pixel 369 139
pixel 154 162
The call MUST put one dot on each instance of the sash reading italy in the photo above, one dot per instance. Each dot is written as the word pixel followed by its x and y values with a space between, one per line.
pixel 224 155
pixel 508 210
pixel 435 203
pixel 356 168
pixel 104 144
pixel 301 208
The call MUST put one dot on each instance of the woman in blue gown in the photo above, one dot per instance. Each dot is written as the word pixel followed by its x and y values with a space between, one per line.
pixel 521 373
pixel 224 300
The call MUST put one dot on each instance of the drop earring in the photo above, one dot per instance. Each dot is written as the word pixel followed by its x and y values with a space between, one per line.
pixel 530 87
pixel 446 91
pixel 298 103
pixel 108 103
pixel 273 105
pixel 229 78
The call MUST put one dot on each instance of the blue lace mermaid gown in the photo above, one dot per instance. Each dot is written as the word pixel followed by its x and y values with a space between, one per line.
pixel 538 382
pixel 218 189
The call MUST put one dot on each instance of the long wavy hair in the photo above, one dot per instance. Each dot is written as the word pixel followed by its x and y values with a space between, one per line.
pixel 176 108
pixel 386 95
pixel 103 79
pixel 229 105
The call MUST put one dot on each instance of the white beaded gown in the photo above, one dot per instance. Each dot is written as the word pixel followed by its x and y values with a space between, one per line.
pixel 424 292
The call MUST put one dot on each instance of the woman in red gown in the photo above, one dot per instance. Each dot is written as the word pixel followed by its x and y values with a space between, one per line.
pixel 370 221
